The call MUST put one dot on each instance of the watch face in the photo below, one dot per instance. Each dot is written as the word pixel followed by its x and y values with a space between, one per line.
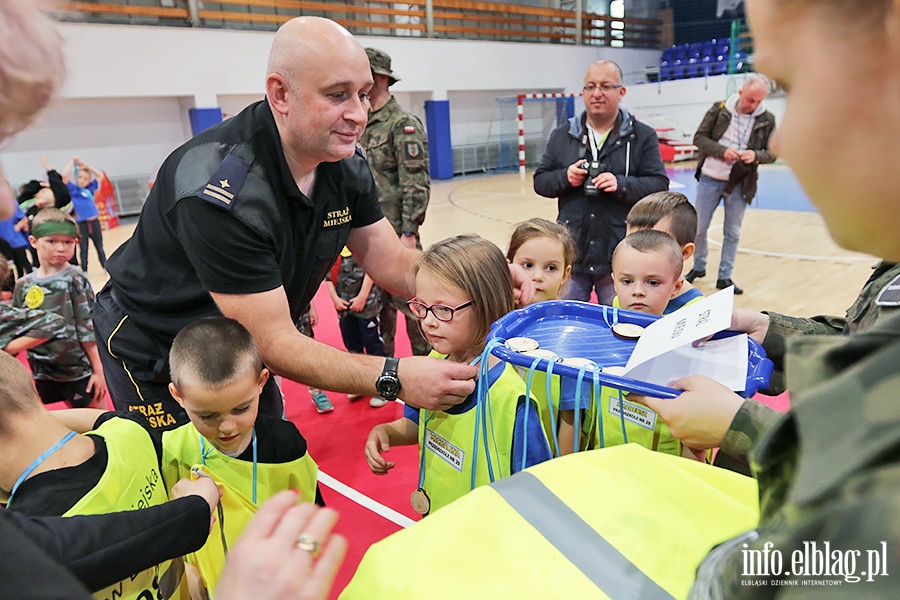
pixel 389 387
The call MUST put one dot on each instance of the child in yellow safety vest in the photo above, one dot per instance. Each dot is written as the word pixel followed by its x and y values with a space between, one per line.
pixel 217 377
pixel 463 285
pixel 646 271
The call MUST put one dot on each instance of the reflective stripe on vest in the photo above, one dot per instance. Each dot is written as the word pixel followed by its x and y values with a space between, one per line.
pixel 619 578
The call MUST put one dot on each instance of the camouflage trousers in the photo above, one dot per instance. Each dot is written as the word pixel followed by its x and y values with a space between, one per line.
pixel 388 317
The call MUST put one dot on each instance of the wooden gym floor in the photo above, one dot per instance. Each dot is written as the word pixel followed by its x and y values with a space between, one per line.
pixel 786 261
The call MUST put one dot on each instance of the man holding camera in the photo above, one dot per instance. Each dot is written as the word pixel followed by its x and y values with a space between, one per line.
pixel 598 164
pixel 733 140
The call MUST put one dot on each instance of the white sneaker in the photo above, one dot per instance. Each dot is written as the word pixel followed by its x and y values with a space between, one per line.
pixel 377 402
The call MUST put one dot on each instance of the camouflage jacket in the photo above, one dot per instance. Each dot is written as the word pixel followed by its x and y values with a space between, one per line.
pixel 25 322
pixel 397 151
pixel 348 282
pixel 69 295
pixel 828 471
pixel 880 297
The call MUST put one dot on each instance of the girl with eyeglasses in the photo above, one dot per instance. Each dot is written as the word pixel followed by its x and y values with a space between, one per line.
pixel 463 285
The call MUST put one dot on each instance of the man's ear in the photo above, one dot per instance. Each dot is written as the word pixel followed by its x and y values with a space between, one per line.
pixel 687 250
pixel 277 92
pixel 175 394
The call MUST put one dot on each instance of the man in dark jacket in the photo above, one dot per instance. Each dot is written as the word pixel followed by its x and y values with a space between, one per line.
pixel 598 165
pixel 733 139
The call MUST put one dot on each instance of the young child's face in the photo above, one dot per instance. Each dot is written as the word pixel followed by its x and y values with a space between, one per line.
pixel 54 250
pixel 544 260
pixel 225 415
pixel 453 338
pixel 84 178
pixel 644 281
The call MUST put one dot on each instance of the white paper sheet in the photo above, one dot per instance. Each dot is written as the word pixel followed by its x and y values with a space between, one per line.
pixel 665 353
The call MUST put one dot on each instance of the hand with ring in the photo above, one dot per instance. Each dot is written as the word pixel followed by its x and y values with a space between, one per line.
pixel 287 551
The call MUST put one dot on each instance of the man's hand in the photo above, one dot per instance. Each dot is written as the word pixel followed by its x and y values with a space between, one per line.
pixel 204 487
pixel 701 415
pixel 523 286
pixel 46 164
pixel 731 155
pixel 266 562
pixel 313 315
pixel 755 324
pixel 606 182
pixel 435 384
pixel 409 240
pixel 575 174
pixel 748 156
pixel 377 444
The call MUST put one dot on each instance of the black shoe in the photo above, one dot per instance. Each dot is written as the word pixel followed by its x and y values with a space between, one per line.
pixel 724 283
pixel 694 274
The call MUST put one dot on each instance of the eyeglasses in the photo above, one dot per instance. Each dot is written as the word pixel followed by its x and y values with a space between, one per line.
pixel 441 312
pixel 604 87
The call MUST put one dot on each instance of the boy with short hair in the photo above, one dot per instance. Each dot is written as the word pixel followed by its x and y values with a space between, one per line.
pixel 646 272
pixel 646 268
pixel 66 368
pixel 671 213
pixel 217 377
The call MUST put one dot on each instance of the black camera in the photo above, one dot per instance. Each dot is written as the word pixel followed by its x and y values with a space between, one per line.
pixel 594 168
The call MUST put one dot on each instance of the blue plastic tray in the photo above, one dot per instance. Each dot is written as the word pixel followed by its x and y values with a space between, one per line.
pixel 579 329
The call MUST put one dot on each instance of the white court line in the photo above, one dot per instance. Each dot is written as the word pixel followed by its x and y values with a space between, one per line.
pixel 376 507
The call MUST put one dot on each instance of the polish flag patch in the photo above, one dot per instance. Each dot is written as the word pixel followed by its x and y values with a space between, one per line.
pixel 409 129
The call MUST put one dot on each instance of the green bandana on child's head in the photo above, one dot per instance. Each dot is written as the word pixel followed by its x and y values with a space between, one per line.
pixel 55 228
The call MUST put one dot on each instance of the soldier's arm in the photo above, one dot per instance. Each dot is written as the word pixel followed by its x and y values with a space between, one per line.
pixel 411 150
pixel 703 136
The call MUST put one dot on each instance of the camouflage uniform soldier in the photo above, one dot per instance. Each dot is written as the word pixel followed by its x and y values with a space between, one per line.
pixel 24 328
pixel 397 150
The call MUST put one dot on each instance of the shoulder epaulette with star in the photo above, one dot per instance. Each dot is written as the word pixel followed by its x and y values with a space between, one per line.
pixel 226 182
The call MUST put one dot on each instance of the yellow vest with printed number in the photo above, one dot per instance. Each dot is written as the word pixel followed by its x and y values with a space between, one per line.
pixel 642 425
pixel 448 442
pixel 622 522
pixel 131 481
pixel 181 452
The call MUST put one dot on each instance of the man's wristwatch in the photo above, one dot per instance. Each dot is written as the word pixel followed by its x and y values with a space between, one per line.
pixel 388 383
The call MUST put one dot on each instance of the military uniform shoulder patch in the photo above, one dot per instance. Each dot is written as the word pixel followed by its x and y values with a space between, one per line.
pixel 413 150
pixel 409 129
pixel 889 294
pixel 224 185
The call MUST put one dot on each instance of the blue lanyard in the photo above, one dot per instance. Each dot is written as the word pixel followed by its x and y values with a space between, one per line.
pixel 204 454
pixel 37 462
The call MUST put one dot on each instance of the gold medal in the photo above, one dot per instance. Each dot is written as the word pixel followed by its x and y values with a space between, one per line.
pixel 628 331
pixel 420 502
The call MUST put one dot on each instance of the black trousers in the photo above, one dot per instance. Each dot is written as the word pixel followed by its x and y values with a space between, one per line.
pixel 136 368
pixel 91 229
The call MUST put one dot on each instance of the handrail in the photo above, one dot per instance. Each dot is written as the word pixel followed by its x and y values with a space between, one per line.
pixel 476 19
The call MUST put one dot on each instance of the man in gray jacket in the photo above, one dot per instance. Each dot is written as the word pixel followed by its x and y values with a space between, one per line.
pixel 598 165
pixel 733 139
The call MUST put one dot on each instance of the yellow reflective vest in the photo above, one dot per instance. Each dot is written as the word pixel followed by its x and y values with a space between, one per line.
pixel 131 481
pixel 181 453
pixel 452 451
pixel 641 425
pixel 613 523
